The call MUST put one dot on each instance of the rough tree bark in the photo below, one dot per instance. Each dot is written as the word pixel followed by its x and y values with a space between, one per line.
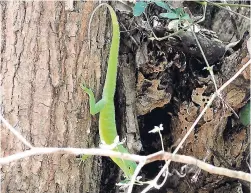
pixel 44 59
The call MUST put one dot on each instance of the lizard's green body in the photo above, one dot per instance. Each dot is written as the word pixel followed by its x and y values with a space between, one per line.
pixel 107 124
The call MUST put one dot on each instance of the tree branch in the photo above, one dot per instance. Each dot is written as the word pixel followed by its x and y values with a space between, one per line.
pixel 142 159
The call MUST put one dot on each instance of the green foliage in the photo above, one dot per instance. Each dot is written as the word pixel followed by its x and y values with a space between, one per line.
pixel 177 13
pixel 245 114
pixel 84 157
pixel 139 8
pixel 170 13
pixel 163 5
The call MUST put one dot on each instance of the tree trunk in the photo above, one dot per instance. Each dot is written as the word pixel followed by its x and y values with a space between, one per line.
pixel 44 59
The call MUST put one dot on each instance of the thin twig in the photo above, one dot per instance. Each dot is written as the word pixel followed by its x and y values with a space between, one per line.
pixel 142 159
pixel 235 76
pixel 217 5
pixel 202 165
pixel 74 151
pixel 89 24
pixel 233 5
pixel 134 177
pixel 205 59
pixel 15 132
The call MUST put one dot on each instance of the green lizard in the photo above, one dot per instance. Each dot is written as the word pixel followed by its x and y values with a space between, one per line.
pixel 107 124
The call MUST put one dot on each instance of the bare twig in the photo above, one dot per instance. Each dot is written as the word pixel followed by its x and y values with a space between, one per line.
pixel 235 76
pixel 205 59
pixel 15 132
pixel 217 5
pixel 233 5
pixel 210 69
pixel 89 25
pixel 74 151
pixel 136 172
pixel 202 165
pixel 142 159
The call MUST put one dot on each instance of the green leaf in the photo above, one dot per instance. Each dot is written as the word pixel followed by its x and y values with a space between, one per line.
pixel 179 11
pixel 170 15
pixel 84 157
pixel 186 17
pixel 245 114
pixel 139 8
pixel 163 5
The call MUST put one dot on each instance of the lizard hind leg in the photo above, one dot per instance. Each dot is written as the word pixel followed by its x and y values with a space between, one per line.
pixel 94 107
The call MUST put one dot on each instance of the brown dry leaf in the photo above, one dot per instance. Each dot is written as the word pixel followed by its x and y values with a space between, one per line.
pixel 200 141
pixel 149 68
pixel 236 143
pixel 235 96
pixel 188 112
pixel 150 97
pixel 186 116
pixel 200 99
pixel 140 81
pixel 208 116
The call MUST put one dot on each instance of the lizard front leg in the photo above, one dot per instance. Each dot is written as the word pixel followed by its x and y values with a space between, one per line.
pixel 94 107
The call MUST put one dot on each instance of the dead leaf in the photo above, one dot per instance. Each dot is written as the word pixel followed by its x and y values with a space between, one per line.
pixel 202 100
pixel 150 97
pixel 198 98
pixel 235 96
